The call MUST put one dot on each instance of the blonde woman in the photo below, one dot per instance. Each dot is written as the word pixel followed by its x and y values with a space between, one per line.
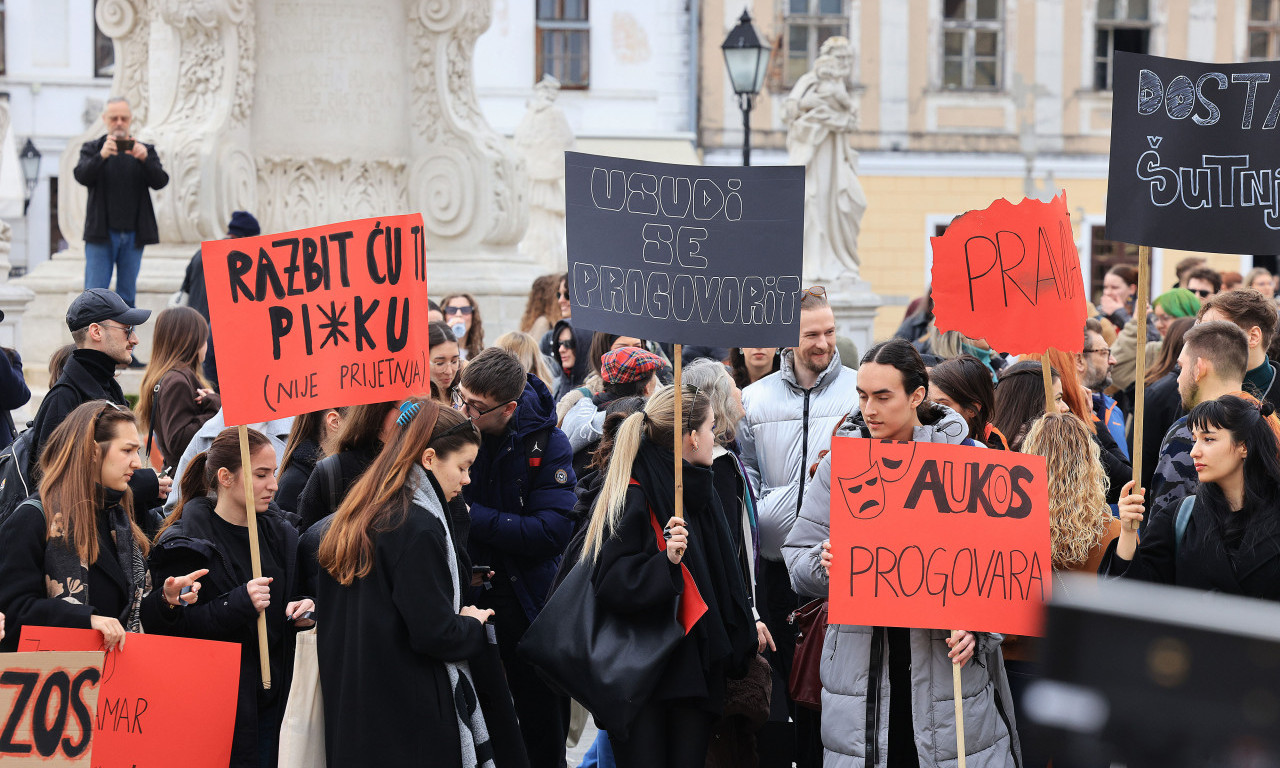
pixel 1080 528
pixel 525 347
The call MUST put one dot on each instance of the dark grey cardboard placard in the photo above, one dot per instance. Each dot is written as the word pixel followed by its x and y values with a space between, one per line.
pixel 1195 155
pixel 685 254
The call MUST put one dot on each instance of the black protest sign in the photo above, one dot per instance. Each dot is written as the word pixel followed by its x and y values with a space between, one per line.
pixel 1195 163
pixel 685 254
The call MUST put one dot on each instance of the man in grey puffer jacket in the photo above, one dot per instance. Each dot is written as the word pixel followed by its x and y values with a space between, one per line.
pixel 856 659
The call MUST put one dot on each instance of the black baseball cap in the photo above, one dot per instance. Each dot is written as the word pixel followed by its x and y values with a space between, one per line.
pixel 98 304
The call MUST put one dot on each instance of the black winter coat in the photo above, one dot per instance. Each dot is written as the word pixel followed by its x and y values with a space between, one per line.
pixel 24 598
pixel 317 501
pixel 294 477
pixel 382 644
pixel 224 611
pixel 1203 561
pixel 88 170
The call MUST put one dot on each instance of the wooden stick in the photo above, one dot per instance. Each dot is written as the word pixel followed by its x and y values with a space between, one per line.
pixel 677 449
pixel 1140 364
pixel 955 689
pixel 1050 406
pixel 255 554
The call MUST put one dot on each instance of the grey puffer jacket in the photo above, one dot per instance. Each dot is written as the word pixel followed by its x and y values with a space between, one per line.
pixel 784 430
pixel 855 659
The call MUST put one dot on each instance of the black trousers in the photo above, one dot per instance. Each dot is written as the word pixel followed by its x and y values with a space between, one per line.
pixel 801 739
pixel 665 735
pixel 544 721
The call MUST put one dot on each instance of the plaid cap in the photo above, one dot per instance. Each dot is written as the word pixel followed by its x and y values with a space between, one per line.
pixel 628 364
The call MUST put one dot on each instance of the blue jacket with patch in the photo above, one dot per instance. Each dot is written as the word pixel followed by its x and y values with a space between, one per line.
pixel 520 514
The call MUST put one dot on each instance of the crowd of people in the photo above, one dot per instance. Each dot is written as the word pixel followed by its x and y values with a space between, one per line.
pixel 423 539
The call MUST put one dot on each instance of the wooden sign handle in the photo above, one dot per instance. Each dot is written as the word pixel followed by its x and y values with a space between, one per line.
pixel 1050 406
pixel 677 449
pixel 955 686
pixel 255 554
pixel 1140 364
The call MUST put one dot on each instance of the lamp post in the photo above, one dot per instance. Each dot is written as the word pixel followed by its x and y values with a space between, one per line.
pixel 30 160
pixel 747 60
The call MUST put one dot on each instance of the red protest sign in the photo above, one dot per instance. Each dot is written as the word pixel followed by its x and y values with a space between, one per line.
pixel 47 701
pixel 149 694
pixel 1011 275
pixel 320 317
pixel 938 536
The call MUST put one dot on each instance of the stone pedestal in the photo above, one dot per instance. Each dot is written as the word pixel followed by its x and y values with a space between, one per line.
pixel 306 113
pixel 854 305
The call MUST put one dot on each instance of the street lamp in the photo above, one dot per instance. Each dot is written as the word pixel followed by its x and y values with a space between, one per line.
pixel 30 160
pixel 747 60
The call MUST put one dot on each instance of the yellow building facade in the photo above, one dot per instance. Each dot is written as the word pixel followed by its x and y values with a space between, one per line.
pixel 965 101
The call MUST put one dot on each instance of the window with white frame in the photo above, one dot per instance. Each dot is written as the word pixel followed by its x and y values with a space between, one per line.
pixel 104 52
pixel 1122 25
pixel 1264 30
pixel 971 44
pixel 564 42
pixel 808 24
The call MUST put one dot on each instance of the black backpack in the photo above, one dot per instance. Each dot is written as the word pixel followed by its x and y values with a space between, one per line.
pixel 15 483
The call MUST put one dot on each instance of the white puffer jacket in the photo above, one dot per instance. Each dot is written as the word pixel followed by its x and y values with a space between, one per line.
pixel 784 430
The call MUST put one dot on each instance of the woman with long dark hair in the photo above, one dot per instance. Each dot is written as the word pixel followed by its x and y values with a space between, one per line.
pixel 446 365
pixel 208 533
pixel 964 385
pixel 1020 399
pixel 302 450
pixel 1225 537
pixel 751 364
pixel 639 579
pixel 73 555
pixel 175 400
pixel 461 312
pixel 398 630
pixel 349 452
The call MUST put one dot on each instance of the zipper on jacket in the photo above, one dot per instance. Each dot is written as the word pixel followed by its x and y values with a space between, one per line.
pixel 873 697
pixel 804 452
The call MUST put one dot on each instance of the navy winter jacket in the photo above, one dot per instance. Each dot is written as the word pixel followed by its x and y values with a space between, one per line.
pixel 520 515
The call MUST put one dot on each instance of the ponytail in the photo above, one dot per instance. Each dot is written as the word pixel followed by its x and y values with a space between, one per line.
pixel 193 486
pixel 607 512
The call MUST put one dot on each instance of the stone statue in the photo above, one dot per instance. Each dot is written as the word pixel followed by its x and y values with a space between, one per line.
pixel 820 115
pixel 542 138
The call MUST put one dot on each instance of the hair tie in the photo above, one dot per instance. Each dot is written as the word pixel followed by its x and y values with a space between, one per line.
pixel 408 409
pixel 644 416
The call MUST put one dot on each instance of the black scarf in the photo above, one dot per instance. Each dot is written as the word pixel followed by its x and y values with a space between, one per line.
pixel 67 576
pixel 726 633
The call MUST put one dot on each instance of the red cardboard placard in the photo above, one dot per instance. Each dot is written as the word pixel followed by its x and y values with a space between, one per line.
pixel 320 317
pixel 163 701
pixel 938 536
pixel 47 701
pixel 1011 275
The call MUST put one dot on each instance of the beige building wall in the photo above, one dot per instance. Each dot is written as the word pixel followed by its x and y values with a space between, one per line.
pixel 929 153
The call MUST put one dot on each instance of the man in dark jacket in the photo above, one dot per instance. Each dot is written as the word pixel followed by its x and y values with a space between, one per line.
pixel 242 224
pixel 13 391
pixel 521 496
pixel 119 219
pixel 101 325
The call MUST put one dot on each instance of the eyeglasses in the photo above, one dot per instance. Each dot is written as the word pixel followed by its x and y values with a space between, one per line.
pixel 128 329
pixel 565 344
pixel 1201 292
pixel 464 311
pixel 562 295
pixel 1104 350
pixel 816 291
pixel 474 411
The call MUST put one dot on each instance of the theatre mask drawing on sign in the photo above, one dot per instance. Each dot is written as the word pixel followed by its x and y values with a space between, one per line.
pixel 666 384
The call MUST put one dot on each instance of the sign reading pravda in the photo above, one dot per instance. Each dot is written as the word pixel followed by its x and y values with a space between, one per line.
pixel 319 317
pixel 1194 161
pixel 1010 274
pixel 938 536
pixel 685 254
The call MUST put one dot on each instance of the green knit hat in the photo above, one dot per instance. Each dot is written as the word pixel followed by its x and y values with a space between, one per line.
pixel 1178 302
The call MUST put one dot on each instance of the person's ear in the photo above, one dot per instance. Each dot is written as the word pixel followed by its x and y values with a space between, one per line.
pixel 225 477
pixel 1201 369
pixel 1080 363
pixel 918 396
pixel 332 420
pixel 429 458
pixel 509 409
pixel 1255 337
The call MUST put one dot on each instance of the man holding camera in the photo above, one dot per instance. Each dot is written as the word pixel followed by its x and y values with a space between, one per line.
pixel 119 219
